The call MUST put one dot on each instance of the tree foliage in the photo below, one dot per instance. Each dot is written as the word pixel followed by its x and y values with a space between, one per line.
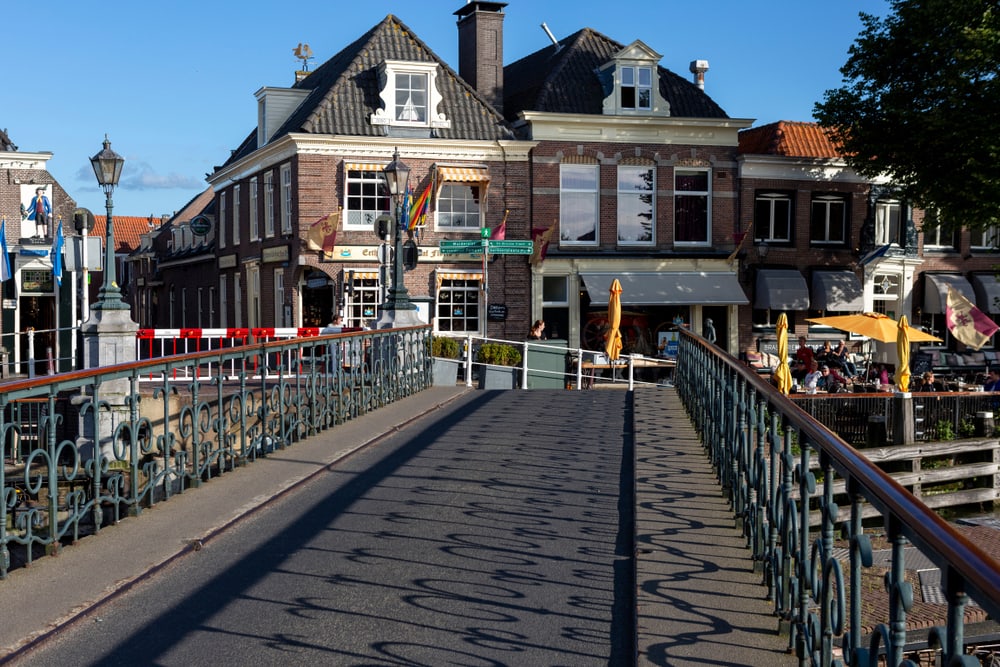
pixel 921 105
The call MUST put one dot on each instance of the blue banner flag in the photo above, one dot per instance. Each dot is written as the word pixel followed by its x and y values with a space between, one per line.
pixel 5 273
pixel 57 250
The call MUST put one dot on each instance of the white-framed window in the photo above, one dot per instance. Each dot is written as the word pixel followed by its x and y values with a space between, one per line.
pixel 367 196
pixel 937 236
pixel 458 206
pixel 362 297
pixel 409 95
pixel 772 217
pixel 269 204
pixel 692 206
pixel 253 295
pixel 985 239
pixel 254 230
pixel 636 205
pixel 223 302
pixel 223 220
pixel 555 305
pixel 888 224
pixel 828 219
pixel 636 87
pixel 286 199
pixel 279 298
pixel 579 196
pixel 237 301
pixel 236 214
pixel 457 307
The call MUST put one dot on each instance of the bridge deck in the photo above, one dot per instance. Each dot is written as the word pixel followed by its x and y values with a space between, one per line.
pixel 698 600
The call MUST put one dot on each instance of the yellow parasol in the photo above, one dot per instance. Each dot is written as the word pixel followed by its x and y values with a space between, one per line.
pixel 614 345
pixel 874 325
pixel 903 353
pixel 782 374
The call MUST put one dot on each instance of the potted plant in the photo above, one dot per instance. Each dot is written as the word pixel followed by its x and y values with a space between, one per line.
pixel 445 351
pixel 500 366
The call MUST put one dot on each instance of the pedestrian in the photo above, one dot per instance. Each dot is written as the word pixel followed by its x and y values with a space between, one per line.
pixel 709 330
pixel 537 331
pixel 992 380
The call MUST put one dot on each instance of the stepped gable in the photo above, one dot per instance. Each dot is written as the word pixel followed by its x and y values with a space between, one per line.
pixel 564 80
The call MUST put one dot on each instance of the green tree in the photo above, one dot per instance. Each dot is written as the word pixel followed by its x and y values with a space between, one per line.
pixel 921 105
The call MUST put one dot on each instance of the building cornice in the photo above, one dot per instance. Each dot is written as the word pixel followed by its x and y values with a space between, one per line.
pixel 21 160
pixel 374 149
pixel 781 168
pixel 635 129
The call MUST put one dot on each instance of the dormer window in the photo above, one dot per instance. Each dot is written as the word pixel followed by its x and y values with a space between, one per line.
pixel 409 94
pixel 631 83
pixel 637 87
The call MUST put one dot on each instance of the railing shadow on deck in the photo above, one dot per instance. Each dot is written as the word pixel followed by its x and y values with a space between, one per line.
pixel 82 450
pixel 762 446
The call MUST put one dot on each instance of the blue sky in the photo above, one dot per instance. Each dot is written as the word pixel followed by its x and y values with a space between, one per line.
pixel 172 84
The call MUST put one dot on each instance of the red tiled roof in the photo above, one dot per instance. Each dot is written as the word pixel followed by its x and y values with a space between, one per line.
pixel 128 230
pixel 788 139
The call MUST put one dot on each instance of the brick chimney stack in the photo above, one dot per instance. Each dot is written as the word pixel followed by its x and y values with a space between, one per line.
pixel 480 48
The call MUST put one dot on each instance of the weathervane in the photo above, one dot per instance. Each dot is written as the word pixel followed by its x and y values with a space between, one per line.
pixel 303 53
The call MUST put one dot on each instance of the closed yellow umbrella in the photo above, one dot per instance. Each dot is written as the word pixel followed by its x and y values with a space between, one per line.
pixel 614 344
pixel 903 353
pixel 783 374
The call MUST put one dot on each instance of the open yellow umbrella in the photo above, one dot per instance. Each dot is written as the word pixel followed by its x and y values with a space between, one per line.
pixel 903 352
pixel 614 344
pixel 874 325
pixel 783 374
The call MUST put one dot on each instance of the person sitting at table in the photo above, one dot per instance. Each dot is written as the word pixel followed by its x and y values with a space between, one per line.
pixel 824 353
pixel 992 380
pixel 805 354
pixel 812 379
pixel 928 383
pixel 843 358
pixel 831 380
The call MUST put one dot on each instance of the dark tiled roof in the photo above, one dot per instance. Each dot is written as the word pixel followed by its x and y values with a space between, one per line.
pixel 5 143
pixel 344 92
pixel 788 139
pixel 565 81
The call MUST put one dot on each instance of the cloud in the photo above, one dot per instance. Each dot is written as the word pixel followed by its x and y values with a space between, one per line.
pixel 138 176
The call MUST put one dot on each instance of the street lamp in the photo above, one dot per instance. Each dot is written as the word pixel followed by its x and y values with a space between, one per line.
pixel 398 310
pixel 108 168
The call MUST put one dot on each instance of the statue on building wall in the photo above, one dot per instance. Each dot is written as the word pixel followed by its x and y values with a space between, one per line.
pixel 38 211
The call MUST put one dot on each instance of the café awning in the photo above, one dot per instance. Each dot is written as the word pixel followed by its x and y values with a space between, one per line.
pixel 781 289
pixel 837 291
pixel 987 289
pixel 665 288
pixel 936 290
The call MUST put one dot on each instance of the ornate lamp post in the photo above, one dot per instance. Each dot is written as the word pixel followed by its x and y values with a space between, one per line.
pixel 108 168
pixel 398 310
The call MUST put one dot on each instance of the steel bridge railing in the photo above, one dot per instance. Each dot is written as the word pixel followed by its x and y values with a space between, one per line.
pixel 761 445
pixel 82 450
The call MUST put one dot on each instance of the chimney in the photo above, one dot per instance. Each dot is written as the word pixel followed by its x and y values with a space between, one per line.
pixel 698 68
pixel 480 49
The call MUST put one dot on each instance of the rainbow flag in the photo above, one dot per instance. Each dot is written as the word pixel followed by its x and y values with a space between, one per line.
pixel 418 210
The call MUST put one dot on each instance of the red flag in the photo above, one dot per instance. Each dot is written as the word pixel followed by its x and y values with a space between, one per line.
pixel 542 237
pixel 968 324
pixel 323 233
pixel 500 233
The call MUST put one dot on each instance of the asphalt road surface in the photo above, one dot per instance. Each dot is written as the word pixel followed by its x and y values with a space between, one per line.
pixel 498 532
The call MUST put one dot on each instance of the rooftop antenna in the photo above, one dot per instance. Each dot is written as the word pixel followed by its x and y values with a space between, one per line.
pixel 303 53
pixel 551 36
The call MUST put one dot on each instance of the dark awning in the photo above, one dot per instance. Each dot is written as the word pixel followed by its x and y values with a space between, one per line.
pixel 987 289
pixel 836 290
pixel 936 290
pixel 664 288
pixel 781 289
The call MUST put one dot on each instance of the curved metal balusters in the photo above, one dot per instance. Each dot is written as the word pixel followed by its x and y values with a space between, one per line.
pixel 763 448
pixel 164 436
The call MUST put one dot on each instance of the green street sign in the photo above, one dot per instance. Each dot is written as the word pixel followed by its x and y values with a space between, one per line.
pixel 460 247
pixel 511 247
pixel 484 233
